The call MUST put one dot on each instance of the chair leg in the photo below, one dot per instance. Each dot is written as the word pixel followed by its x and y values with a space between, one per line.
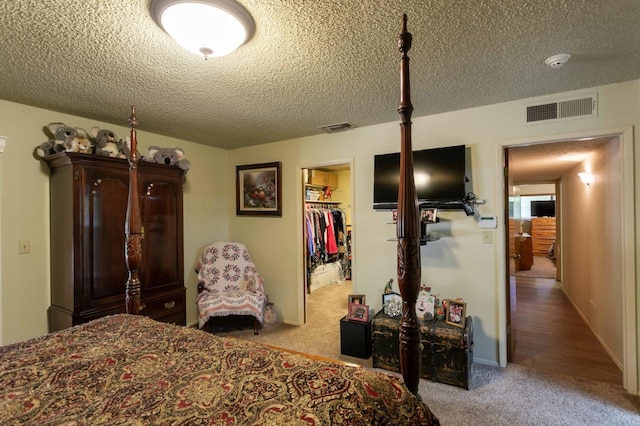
pixel 255 326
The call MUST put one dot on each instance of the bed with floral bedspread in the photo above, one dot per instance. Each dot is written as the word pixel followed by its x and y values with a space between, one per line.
pixel 126 369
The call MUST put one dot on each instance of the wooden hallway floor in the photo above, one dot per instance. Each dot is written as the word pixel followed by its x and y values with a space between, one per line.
pixel 552 336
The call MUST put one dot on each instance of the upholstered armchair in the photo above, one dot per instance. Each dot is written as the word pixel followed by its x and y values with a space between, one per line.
pixel 228 284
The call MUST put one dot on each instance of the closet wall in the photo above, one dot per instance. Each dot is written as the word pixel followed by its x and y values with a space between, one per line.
pixel 327 226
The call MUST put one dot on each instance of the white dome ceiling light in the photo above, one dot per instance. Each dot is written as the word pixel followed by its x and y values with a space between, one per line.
pixel 210 28
pixel 557 61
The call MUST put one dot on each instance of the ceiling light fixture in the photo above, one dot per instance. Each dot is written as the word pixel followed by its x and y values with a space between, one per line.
pixel 557 61
pixel 210 28
pixel 586 178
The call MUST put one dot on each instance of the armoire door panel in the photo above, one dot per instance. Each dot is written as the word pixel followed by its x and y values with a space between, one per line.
pixel 105 209
pixel 162 266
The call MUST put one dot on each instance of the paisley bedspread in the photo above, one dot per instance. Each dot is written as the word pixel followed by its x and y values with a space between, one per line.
pixel 131 370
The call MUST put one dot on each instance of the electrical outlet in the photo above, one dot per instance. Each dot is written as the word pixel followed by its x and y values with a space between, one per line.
pixel 24 247
pixel 487 237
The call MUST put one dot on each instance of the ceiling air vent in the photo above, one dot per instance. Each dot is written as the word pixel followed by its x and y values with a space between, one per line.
pixel 570 108
pixel 338 127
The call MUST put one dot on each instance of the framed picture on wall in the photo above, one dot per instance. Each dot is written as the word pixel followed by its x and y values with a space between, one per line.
pixel 259 189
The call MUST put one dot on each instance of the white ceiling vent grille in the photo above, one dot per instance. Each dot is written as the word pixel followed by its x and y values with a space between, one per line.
pixel 338 127
pixel 565 109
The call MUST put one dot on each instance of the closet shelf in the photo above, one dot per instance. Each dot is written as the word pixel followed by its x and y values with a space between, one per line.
pixel 321 202
pixel 316 186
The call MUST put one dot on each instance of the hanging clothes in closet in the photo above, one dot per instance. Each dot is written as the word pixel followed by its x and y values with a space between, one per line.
pixel 326 235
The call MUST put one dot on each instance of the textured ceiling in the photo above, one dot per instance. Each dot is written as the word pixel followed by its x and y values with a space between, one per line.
pixel 310 62
pixel 546 163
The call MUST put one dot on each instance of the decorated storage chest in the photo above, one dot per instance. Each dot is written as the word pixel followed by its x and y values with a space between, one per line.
pixel 447 350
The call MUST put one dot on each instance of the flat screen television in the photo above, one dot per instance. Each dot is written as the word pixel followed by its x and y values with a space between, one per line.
pixel 439 175
pixel 543 208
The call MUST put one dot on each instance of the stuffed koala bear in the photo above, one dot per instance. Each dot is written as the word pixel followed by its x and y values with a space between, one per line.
pixel 168 156
pixel 60 132
pixel 107 145
pixel 79 143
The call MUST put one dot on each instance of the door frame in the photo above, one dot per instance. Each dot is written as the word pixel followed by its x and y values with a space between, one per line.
pixel 302 267
pixel 628 238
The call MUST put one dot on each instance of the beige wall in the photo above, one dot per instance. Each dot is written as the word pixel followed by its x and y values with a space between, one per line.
pixel 593 247
pixel 24 201
pixel 458 265
pixel 540 189
pixel 343 193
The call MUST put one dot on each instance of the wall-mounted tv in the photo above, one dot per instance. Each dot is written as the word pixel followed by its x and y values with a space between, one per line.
pixel 544 208
pixel 439 175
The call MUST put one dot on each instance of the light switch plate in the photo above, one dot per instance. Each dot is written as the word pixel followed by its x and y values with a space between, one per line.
pixel 24 246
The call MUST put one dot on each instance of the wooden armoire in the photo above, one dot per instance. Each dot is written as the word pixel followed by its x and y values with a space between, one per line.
pixel 88 202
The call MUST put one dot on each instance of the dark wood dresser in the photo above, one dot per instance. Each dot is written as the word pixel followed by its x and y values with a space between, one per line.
pixel 88 202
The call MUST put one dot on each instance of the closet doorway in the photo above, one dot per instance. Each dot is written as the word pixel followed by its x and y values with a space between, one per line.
pixel 327 235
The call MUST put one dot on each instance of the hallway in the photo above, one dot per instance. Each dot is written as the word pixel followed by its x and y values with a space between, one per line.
pixel 551 335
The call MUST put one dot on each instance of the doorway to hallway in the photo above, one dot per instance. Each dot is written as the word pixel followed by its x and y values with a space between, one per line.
pixel 567 324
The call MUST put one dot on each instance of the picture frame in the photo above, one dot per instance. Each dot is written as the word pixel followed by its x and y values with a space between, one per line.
pixel 455 313
pixel 388 296
pixel 358 312
pixel 392 304
pixel 259 189
pixel 425 306
pixel 429 215
pixel 357 299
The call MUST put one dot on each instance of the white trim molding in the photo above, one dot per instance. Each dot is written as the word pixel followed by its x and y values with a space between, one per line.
pixel 3 144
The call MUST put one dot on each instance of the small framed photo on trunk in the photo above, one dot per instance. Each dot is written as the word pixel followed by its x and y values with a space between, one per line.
pixel 456 313
pixel 358 299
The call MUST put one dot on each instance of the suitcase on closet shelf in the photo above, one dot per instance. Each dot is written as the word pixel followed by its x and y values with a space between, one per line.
pixel 447 350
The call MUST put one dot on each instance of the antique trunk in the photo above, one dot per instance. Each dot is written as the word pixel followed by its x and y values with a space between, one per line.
pixel 447 350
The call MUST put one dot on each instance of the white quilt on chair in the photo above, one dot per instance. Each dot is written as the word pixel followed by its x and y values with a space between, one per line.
pixel 231 283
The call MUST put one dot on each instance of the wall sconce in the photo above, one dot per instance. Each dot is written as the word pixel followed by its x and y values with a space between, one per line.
pixel 586 177
pixel 204 27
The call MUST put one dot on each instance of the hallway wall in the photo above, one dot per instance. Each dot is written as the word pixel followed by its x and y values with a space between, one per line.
pixel 593 248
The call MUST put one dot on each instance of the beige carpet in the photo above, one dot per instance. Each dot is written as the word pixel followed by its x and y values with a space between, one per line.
pixel 515 395
pixel 543 267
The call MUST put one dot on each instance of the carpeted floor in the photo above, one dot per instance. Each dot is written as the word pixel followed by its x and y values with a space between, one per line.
pixel 543 267
pixel 515 395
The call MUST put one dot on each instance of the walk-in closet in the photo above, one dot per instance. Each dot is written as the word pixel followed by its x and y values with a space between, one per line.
pixel 327 228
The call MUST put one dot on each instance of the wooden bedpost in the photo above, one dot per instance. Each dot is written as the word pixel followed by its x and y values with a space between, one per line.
pixel 133 225
pixel 408 230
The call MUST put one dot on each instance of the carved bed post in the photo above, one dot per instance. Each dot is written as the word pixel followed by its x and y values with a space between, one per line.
pixel 133 225
pixel 408 230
